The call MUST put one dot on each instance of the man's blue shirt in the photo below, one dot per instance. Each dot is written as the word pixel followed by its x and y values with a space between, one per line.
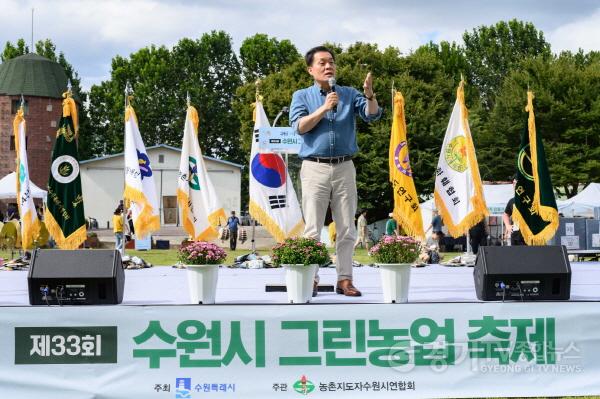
pixel 335 134
pixel 233 222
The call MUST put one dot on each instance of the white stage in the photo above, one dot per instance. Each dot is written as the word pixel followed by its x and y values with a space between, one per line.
pixel 168 286
pixel 252 344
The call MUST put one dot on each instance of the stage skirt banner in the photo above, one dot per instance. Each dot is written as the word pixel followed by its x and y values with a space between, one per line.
pixel 291 351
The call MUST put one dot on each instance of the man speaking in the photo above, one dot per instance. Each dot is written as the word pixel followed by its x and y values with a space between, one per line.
pixel 324 114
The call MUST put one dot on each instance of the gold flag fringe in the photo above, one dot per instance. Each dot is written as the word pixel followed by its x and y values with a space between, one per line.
pixel 272 227
pixel 407 225
pixel 546 213
pixel 536 203
pixel 194 117
pixel 457 230
pixel 70 109
pixel 146 222
pixel 214 219
pixel 129 112
pixel 543 236
pixel 211 232
pixel 73 241
pixel 30 229
pixel 182 200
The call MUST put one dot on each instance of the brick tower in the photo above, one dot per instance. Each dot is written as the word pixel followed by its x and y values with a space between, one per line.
pixel 41 82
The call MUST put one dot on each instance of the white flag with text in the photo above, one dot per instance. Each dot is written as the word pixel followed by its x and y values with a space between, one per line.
pixel 201 210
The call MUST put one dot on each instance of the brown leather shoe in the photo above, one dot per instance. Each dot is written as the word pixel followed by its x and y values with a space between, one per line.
pixel 345 287
pixel 315 289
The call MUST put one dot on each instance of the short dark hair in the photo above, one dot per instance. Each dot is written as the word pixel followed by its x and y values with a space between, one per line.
pixel 310 54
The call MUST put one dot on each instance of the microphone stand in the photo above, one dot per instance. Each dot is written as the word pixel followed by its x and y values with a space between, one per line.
pixel 284 110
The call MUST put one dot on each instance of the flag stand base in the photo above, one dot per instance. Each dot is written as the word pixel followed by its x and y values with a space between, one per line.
pixel 283 288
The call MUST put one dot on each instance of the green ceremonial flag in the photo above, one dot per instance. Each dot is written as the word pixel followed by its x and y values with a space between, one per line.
pixel 535 206
pixel 64 215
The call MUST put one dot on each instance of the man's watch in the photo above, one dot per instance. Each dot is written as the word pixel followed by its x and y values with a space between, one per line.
pixel 370 98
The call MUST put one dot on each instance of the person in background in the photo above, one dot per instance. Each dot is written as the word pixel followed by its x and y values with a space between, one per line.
pixel 130 225
pixel 118 228
pixel 361 229
pixel 430 252
pixel 436 224
pixel 511 229
pixel 12 212
pixel 478 235
pixel 232 224
pixel 391 226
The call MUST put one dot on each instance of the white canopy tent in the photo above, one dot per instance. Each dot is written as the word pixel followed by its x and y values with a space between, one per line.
pixel 582 204
pixel 8 188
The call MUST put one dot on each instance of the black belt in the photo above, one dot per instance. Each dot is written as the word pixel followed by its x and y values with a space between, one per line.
pixel 332 160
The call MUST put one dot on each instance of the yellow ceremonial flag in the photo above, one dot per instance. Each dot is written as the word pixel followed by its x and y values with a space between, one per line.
pixel 406 201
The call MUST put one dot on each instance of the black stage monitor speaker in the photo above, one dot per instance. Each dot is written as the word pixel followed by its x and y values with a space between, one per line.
pixel 527 273
pixel 78 277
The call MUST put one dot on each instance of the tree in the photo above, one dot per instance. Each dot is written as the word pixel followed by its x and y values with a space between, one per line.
pixel 206 68
pixel 492 51
pixel 567 110
pixel 451 56
pixel 11 51
pixel 261 56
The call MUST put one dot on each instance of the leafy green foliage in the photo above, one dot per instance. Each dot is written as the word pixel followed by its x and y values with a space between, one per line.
pixel 12 51
pixel 492 51
pixel 207 69
pixel 567 111
pixel 261 56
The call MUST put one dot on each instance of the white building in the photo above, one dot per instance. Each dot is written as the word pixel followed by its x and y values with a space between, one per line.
pixel 102 183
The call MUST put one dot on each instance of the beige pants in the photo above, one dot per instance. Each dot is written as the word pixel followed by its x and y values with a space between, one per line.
pixel 323 183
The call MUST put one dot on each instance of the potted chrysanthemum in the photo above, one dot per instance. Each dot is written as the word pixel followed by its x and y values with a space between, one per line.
pixel 202 260
pixel 394 256
pixel 300 257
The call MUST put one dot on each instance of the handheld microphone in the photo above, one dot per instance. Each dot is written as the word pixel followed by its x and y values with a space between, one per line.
pixel 331 82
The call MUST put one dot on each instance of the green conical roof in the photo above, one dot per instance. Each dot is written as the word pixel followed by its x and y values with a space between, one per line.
pixel 32 75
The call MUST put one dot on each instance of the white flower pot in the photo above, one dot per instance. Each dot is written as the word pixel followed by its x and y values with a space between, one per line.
pixel 395 280
pixel 202 283
pixel 299 280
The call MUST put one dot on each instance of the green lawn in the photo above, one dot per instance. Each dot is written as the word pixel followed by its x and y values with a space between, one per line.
pixel 168 257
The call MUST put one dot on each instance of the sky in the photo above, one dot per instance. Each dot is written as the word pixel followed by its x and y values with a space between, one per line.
pixel 92 32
